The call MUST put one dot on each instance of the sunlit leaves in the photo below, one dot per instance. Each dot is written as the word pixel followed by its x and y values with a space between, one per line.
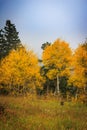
pixel 79 75
pixel 20 68
pixel 57 57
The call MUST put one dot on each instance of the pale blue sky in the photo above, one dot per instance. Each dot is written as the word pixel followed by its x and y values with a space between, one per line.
pixel 39 21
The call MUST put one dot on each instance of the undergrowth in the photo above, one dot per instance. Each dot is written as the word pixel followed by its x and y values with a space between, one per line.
pixel 27 113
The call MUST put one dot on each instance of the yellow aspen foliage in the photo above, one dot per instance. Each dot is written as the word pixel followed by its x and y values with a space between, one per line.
pixel 20 68
pixel 79 75
pixel 57 57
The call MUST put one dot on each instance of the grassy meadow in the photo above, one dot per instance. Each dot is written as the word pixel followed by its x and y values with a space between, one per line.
pixel 30 113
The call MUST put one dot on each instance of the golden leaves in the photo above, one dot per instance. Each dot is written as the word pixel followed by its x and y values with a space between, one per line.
pixel 20 68
pixel 78 77
pixel 57 57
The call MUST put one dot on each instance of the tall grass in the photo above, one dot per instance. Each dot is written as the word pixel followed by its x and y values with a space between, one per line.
pixel 27 113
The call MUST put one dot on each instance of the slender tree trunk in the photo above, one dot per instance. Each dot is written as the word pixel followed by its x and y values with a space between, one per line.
pixel 57 87
pixel 57 91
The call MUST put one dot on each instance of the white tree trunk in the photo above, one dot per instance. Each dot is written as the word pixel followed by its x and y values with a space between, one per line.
pixel 57 91
pixel 57 87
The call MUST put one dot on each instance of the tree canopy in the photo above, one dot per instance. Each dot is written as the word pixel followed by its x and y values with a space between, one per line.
pixel 9 39
pixel 20 70
pixel 57 57
pixel 79 64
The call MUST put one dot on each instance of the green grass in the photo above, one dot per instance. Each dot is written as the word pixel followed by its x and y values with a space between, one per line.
pixel 41 114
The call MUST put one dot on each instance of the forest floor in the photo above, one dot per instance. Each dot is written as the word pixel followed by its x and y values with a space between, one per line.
pixel 29 113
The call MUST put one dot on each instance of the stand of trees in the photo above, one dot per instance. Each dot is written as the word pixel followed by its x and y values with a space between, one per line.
pixel 60 72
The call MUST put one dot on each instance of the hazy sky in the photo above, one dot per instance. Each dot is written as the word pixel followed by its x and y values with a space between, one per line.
pixel 38 21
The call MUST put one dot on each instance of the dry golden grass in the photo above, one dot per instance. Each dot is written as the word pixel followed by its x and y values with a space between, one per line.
pixel 30 113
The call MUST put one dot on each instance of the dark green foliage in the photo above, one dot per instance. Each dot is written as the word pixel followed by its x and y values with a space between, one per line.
pixel 63 85
pixel 84 45
pixel 44 45
pixel 72 90
pixel 11 35
pixel 50 85
pixel 9 39
pixel 2 44
pixel 4 91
